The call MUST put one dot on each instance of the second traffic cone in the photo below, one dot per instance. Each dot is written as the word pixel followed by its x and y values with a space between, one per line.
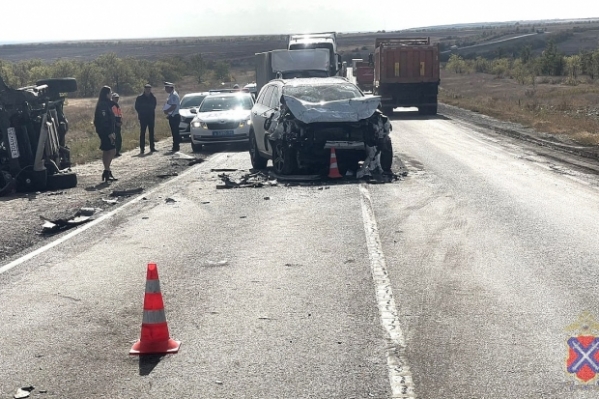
pixel 333 168
pixel 155 337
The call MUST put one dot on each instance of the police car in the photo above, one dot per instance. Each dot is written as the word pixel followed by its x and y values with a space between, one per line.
pixel 222 118
pixel 188 108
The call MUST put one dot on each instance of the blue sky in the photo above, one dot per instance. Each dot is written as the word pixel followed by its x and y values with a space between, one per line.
pixel 124 19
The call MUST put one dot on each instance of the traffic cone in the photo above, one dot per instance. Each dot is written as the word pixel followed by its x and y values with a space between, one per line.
pixel 155 337
pixel 333 168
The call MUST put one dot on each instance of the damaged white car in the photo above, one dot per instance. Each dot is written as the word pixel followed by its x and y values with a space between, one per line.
pixel 296 122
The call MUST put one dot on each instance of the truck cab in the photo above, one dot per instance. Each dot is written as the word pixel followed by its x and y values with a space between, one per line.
pixel 318 40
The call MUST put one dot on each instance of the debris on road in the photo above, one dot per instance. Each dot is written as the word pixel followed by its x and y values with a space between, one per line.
pixel 170 201
pixel 125 193
pixel 60 224
pixel 24 392
pixel 253 180
pixel 180 155
pixel 267 198
pixel 195 161
pixel 224 170
pixel 164 176
pixel 110 201
pixel 87 211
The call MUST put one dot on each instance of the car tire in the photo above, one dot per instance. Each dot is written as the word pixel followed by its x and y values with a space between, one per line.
pixel 258 161
pixel 388 111
pixel 386 154
pixel 59 85
pixel 196 147
pixel 283 158
pixel 61 181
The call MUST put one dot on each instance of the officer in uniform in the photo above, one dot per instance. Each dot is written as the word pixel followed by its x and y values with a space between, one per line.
pixel 118 114
pixel 171 110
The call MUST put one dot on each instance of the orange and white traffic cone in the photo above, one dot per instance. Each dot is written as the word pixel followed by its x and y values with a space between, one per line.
pixel 155 337
pixel 333 168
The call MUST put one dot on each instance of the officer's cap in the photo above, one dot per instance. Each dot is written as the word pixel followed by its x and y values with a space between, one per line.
pixel 169 84
pixel 148 86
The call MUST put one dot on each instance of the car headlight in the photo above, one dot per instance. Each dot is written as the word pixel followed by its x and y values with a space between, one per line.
pixel 199 124
pixel 247 121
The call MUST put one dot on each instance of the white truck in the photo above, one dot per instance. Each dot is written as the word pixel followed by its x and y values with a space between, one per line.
pixel 288 64
pixel 327 40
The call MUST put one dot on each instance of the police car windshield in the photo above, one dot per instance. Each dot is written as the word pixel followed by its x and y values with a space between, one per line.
pixel 318 93
pixel 225 103
pixel 191 101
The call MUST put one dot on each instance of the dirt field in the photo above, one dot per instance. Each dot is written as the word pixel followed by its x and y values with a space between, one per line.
pixel 568 111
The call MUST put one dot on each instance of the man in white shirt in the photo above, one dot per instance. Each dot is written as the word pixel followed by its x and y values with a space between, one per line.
pixel 171 110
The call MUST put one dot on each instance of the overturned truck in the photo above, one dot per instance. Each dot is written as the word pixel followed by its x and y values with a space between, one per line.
pixel 33 127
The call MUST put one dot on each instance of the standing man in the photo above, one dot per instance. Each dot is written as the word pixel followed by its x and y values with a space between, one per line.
pixel 118 114
pixel 171 110
pixel 145 105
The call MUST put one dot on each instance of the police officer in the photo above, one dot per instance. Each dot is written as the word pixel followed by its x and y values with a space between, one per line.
pixel 145 105
pixel 104 121
pixel 171 110
pixel 118 114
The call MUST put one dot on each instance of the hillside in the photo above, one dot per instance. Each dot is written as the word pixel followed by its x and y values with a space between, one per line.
pixel 471 40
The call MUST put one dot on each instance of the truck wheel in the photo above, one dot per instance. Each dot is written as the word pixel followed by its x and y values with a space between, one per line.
pixel 283 158
pixel 258 161
pixel 59 85
pixel 30 180
pixel 61 181
pixel 386 154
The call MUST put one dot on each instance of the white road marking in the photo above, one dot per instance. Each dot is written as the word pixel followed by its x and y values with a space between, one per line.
pixel 400 375
pixel 91 224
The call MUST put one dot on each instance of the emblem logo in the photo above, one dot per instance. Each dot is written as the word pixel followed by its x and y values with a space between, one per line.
pixel 222 121
pixel 583 348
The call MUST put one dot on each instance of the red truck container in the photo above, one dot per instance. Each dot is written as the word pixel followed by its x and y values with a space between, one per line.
pixel 364 74
pixel 406 74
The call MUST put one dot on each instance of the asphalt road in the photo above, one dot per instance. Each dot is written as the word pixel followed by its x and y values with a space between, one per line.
pixel 459 281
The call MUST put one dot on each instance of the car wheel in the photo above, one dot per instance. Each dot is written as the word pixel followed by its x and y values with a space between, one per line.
pixel 386 154
pixel 61 181
pixel 258 161
pixel 59 85
pixel 283 158
pixel 388 111
pixel 196 147
pixel 29 180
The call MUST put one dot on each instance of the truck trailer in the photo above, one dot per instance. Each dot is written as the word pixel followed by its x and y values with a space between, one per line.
pixel 406 74
pixel 364 74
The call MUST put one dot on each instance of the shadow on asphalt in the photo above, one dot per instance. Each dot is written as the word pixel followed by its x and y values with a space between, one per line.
pixel 147 363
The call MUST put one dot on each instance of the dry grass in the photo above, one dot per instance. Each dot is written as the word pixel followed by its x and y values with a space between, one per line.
pixel 83 140
pixel 551 107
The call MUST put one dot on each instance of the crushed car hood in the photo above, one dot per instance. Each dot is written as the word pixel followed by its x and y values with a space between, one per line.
pixel 350 110
pixel 230 115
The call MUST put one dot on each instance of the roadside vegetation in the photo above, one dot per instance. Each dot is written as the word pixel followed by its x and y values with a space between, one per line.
pixel 552 92
pixel 127 77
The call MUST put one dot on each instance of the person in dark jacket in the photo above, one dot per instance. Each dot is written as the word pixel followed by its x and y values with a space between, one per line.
pixel 118 114
pixel 105 123
pixel 145 105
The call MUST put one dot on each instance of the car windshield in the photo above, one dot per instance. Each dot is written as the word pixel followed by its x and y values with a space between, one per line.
pixel 192 101
pixel 225 103
pixel 318 93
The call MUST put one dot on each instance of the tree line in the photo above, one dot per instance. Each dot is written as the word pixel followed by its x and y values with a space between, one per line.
pixel 525 67
pixel 126 76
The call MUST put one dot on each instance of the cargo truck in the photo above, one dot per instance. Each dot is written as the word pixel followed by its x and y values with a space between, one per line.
pixel 406 74
pixel 364 74
pixel 288 64
pixel 327 40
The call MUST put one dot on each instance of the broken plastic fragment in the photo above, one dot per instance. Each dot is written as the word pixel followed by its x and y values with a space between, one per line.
pixel 24 392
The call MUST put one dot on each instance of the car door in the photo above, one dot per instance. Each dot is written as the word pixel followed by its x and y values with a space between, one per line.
pixel 259 115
